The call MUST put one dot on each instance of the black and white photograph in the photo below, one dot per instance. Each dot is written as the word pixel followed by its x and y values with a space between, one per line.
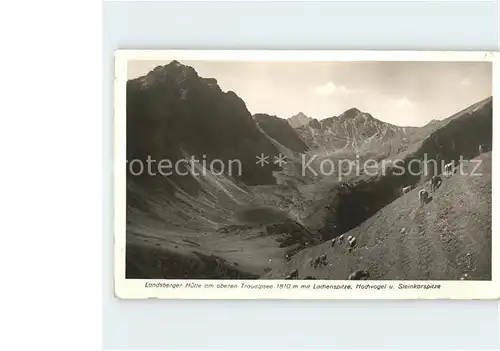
pixel 263 170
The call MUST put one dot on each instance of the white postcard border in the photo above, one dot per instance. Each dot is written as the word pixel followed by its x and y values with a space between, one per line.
pixel 185 289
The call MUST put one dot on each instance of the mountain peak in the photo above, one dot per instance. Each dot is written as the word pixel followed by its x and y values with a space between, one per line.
pixel 351 113
pixel 169 110
pixel 299 119
pixel 183 76
pixel 174 67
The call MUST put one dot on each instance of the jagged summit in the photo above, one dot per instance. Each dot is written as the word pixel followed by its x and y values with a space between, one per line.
pixel 281 131
pixel 351 113
pixel 355 114
pixel 174 67
pixel 268 217
pixel 172 111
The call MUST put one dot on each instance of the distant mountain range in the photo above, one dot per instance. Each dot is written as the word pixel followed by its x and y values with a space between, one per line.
pixel 271 218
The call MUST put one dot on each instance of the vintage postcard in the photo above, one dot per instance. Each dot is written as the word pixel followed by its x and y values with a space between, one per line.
pixel 305 175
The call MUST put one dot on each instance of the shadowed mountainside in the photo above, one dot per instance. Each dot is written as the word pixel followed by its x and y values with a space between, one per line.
pixel 174 114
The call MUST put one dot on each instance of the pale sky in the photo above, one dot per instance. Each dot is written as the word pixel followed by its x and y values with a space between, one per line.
pixel 401 93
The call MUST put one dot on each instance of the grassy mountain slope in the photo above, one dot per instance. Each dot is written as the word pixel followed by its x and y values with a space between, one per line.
pixel 448 237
